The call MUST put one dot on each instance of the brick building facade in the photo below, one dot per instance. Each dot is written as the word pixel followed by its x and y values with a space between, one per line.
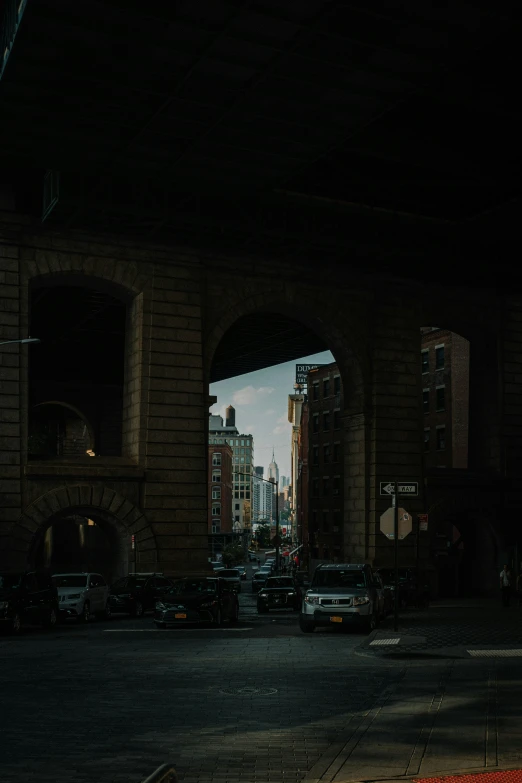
pixel 325 464
pixel 445 398
pixel 220 492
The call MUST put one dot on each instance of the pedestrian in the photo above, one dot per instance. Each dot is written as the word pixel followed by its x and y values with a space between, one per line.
pixel 505 585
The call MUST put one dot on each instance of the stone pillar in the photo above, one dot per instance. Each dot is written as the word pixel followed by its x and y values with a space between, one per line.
pixel 396 420
pixel 10 398
pixel 356 486
pixel 486 378
pixel 175 448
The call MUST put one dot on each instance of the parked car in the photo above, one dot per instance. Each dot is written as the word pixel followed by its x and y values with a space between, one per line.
pixel 340 593
pixel 242 571
pixel 252 555
pixel 197 601
pixel 259 579
pixel 409 594
pixel 232 577
pixel 278 592
pixel 82 595
pixel 217 565
pixel 137 593
pixel 27 599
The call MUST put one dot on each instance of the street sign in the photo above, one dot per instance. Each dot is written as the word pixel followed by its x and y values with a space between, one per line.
pixel 387 523
pixel 284 531
pixel 423 522
pixel 301 372
pixel 410 488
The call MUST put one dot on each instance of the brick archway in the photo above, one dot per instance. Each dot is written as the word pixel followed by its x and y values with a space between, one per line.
pixel 89 500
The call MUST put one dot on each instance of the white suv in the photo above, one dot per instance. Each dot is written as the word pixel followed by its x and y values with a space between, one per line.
pixel 82 595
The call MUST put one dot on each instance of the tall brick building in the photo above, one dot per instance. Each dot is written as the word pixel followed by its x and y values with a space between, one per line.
pixel 445 398
pixel 325 464
pixel 220 493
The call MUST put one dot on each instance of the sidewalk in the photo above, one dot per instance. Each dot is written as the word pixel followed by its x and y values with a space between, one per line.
pixel 452 629
pixel 439 719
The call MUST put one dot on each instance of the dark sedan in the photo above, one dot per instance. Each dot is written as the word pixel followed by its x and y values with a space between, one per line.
pixel 27 599
pixel 259 580
pixel 242 571
pixel 197 601
pixel 137 593
pixel 279 592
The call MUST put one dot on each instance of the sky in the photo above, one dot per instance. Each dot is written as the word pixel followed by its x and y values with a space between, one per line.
pixel 261 402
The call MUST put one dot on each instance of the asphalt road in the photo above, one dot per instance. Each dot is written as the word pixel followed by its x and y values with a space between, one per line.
pixel 256 702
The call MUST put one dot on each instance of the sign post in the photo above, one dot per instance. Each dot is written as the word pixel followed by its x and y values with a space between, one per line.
pixel 396 545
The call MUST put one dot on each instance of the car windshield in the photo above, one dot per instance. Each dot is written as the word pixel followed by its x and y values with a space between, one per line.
pixel 388 575
pixel 339 579
pixel 260 575
pixel 230 572
pixel 10 581
pixel 69 580
pixel 194 586
pixel 283 581
pixel 129 583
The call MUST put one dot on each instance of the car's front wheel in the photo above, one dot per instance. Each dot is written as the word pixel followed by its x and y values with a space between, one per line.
pixel 51 618
pixel 372 622
pixel 85 616
pixel 218 619
pixel 235 614
pixel 137 609
pixel 106 613
pixel 16 623
pixel 306 626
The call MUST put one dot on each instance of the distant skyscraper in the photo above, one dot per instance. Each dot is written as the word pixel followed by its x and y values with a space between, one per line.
pixel 273 470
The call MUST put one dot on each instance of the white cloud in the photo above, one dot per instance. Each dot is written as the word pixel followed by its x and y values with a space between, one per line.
pixel 283 425
pixel 270 412
pixel 249 395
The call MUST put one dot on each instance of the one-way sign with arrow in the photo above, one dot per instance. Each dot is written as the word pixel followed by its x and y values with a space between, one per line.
pixel 410 488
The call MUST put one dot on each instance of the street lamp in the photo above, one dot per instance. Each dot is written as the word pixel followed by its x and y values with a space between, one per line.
pixel 24 340
pixel 276 484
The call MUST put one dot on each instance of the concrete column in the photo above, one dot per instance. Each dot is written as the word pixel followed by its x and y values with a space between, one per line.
pixel 486 390
pixel 356 486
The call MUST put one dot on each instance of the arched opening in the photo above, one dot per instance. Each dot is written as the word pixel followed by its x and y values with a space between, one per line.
pixel 83 540
pixel 293 428
pixel 81 363
pixel 58 430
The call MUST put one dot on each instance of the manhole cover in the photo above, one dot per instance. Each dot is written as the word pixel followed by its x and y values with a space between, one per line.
pixel 248 691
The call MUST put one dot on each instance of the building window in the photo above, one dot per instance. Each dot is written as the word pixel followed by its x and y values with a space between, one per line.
pixel 216 509
pixel 315 391
pixel 441 438
pixel 326 454
pixel 216 459
pixel 426 400
pixel 315 422
pixel 336 452
pixel 237 517
pixel 315 455
pixel 326 521
pixel 326 485
pixel 326 387
pixel 426 439
pixel 236 507
pixel 337 384
pixel 216 526
pixel 441 398
pixel 315 487
pixel 314 520
pixel 439 357
pixel 216 476
pixel 336 520
pixel 336 485
pixel 425 361
pixel 326 421
pixel 337 419
pixel 216 493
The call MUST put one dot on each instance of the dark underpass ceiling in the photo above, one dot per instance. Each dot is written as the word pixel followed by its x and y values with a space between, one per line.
pixel 262 340
pixel 377 136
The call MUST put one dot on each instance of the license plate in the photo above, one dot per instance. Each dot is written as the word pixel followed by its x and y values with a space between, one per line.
pixel 336 619
pixel 180 616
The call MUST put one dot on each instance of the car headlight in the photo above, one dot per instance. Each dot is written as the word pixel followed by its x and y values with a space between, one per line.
pixel 4 604
pixel 263 595
pixel 360 600
pixel 208 604
pixel 292 592
pixel 74 595
pixel 312 599
pixel 160 606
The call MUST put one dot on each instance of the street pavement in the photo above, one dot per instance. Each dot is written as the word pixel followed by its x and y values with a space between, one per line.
pixel 259 701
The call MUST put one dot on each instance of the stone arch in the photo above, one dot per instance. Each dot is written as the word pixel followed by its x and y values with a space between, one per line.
pixel 350 347
pixel 107 505
pixel 122 279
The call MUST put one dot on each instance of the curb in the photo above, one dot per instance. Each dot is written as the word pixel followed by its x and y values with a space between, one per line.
pixel 459 771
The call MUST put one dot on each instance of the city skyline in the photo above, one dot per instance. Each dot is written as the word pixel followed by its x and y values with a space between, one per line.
pixel 261 402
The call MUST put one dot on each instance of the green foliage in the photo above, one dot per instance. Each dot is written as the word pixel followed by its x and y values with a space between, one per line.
pixel 263 536
pixel 233 554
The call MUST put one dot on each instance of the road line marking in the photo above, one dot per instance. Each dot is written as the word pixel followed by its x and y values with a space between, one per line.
pixel 163 630
pixel 495 653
